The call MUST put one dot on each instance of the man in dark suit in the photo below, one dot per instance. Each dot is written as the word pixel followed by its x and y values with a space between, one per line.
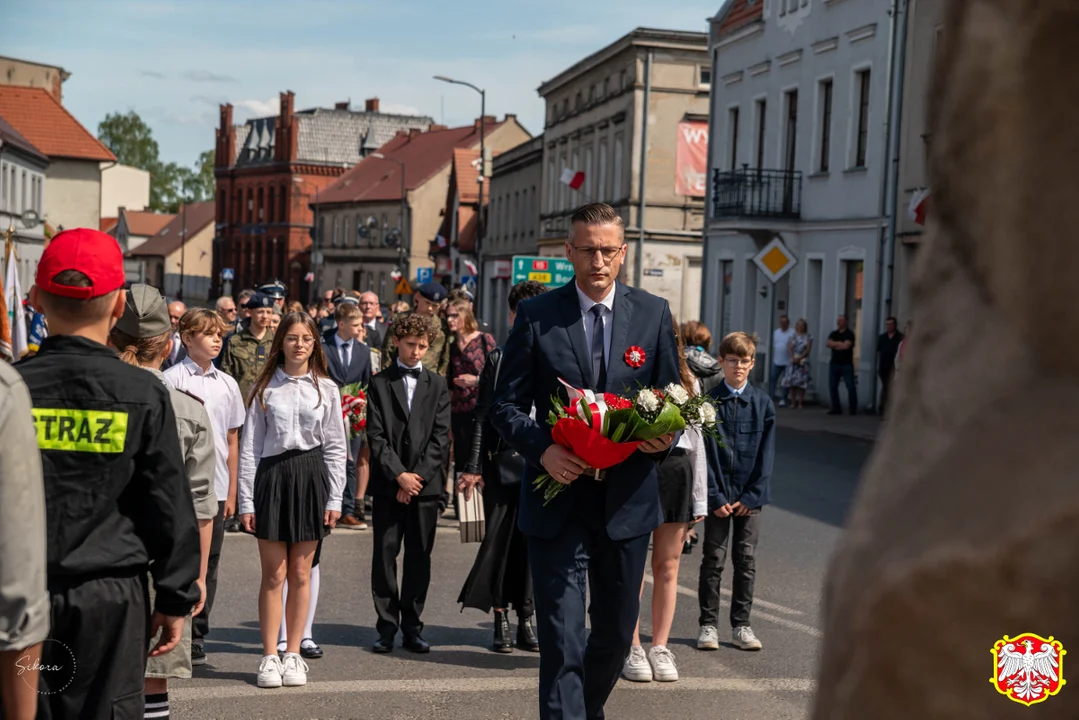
pixel 408 427
pixel 349 361
pixel 178 352
pixel 375 328
pixel 580 333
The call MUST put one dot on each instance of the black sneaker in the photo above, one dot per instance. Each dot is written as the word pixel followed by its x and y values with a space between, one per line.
pixel 198 655
pixel 233 525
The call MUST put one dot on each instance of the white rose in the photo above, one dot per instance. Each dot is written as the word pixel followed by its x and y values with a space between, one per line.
pixel 708 413
pixel 677 394
pixel 647 401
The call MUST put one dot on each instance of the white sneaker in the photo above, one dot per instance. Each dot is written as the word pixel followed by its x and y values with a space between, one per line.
pixel 744 639
pixel 708 639
pixel 662 661
pixel 295 672
pixel 270 672
pixel 637 667
pixel 782 403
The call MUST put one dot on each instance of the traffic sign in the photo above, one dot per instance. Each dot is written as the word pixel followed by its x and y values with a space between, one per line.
pixel 775 260
pixel 550 271
pixel 468 279
pixel 424 275
pixel 403 288
pixel 227 274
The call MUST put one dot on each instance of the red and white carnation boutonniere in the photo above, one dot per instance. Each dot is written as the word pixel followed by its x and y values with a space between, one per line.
pixel 635 357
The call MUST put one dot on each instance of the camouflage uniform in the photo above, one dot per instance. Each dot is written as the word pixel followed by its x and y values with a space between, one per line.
pixel 243 358
pixel 437 358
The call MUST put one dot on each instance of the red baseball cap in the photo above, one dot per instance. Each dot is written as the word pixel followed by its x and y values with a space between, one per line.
pixel 93 253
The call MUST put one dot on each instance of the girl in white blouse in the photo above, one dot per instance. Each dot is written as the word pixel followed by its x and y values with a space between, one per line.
pixel 292 477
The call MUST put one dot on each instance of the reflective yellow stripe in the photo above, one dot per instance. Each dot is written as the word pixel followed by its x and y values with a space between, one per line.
pixel 100 431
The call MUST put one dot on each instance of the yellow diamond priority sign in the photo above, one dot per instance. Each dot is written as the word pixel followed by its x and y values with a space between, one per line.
pixel 775 260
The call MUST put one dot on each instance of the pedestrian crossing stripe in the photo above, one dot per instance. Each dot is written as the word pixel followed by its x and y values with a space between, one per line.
pixel 99 431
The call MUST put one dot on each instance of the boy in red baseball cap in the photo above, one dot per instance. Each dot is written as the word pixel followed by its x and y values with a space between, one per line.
pixel 117 499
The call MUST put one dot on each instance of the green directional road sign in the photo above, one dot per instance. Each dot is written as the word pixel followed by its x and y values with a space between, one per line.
pixel 551 271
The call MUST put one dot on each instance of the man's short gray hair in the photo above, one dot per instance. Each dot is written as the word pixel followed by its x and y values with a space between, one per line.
pixel 221 301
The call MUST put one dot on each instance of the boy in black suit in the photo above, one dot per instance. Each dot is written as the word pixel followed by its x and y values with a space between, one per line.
pixel 348 360
pixel 408 428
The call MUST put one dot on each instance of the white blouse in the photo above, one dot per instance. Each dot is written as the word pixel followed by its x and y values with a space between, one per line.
pixel 693 442
pixel 294 419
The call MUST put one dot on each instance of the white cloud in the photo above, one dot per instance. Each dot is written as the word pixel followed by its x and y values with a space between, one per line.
pixel 397 109
pixel 259 108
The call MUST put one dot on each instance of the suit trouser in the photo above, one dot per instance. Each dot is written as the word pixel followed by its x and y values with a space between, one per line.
pixel 414 525
pixel 348 500
pixel 575 678
pixel 200 624
pixel 95 655
pixel 717 538
pixel 886 377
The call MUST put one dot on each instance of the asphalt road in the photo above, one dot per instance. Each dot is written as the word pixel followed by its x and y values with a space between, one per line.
pixel 461 679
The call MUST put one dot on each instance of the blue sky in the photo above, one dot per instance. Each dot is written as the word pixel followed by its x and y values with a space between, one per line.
pixel 174 62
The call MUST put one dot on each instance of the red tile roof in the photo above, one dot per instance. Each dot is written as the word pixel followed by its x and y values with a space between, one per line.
pixel 165 242
pixel 424 154
pixel 44 122
pixel 11 136
pixel 108 223
pixel 145 223
pixel 467 171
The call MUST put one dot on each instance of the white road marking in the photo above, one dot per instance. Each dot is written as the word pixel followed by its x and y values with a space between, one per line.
pixel 785 622
pixel 235 689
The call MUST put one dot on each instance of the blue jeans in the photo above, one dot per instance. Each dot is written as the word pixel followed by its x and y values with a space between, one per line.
pixel 846 372
pixel 777 373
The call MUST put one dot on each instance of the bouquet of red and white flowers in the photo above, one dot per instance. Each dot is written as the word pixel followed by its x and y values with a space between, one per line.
pixel 354 408
pixel 605 429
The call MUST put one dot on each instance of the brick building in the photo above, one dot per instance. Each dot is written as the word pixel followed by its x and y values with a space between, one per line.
pixel 269 172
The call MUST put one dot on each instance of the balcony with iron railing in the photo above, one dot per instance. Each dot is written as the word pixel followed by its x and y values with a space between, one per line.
pixel 756 193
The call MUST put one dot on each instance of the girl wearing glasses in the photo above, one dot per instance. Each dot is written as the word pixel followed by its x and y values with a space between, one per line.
pixel 292 477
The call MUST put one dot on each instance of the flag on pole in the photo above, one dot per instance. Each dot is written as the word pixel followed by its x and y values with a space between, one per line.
pixel 5 328
pixel 16 318
pixel 919 205
pixel 573 178
pixel 470 267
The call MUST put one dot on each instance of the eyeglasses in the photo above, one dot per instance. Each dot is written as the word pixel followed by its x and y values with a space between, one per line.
pixel 228 310
pixel 297 340
pixel 452 317
pixel 608 253
pixel 738 362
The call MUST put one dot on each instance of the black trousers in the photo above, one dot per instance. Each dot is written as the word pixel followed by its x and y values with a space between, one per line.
pixel 886 377
pixel 200 624
pixel 846 374
pixel 414 525
pixel 576 677
pixel 95 655
pixel 717 535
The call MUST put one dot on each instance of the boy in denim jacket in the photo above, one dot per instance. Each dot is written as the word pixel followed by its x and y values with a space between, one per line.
pixel 739 476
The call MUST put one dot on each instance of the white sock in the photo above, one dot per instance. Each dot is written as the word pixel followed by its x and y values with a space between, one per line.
pixel 282 636
pixel 307 629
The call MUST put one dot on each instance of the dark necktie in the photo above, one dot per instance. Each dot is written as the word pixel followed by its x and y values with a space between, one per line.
pixel 599 361
pixel 345 347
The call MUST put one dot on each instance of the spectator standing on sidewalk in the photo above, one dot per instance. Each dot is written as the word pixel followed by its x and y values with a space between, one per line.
pixel 887 349
pixel 841 341
pixel 739 486
pixel 781 358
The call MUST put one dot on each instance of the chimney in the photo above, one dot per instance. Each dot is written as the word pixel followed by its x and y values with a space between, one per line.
pixel 438 126
pixel 341 105
pixel 413 132
pixel 510 116
pixel 226 141
pixel 371 105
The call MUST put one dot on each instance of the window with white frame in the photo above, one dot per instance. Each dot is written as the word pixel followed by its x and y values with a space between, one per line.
pixel 759 141
pixel 861 141
pixel 732 137
pixel 588 172
pixel 551 186
pixel 704 76
pixel 619 153
pixel 824 144
pixel 601 174
pixel 790 150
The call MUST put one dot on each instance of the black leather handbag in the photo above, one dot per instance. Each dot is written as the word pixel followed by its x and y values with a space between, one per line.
pixel 507 463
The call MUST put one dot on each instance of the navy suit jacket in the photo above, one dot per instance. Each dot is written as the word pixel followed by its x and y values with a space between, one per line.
pixel 547 343
pixel 359 366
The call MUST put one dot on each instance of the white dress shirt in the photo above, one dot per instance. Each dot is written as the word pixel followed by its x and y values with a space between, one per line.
pixel 606 315
pixel 781 353
pixel 295 418
pixel 224 403
pixel 410 382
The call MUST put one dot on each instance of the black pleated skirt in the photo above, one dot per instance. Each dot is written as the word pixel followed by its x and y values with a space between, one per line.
pixel 676 487
pixel 500 575
pixel 291 490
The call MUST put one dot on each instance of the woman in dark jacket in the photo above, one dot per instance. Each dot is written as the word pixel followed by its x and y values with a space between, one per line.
pixel 500 575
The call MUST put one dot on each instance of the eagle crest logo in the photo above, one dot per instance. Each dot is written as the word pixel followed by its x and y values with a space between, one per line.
pixel 1028 668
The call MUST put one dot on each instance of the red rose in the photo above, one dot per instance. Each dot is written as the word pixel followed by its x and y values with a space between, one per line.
pixel 635 356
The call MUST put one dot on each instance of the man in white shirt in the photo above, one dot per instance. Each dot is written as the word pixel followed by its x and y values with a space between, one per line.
pixel 781 358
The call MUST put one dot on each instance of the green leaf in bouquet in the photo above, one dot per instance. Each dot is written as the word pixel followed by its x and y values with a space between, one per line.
pixel 669 420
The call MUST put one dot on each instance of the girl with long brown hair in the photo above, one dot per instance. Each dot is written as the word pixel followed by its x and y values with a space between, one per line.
pixel 292 477
pixel 683 496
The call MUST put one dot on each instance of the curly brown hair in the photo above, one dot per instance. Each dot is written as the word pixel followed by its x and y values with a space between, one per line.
pixel 414 325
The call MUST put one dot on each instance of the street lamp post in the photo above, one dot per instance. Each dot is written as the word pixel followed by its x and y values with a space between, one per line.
pixel 183 243
pixel 404 255
pixel 482 225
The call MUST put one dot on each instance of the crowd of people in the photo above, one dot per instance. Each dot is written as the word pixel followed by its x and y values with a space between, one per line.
pixel 238 427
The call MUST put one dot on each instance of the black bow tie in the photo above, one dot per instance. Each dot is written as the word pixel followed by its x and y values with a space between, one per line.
pixel 414 372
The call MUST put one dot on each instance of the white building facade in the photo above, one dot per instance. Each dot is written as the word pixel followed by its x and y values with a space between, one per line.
pixel 797 151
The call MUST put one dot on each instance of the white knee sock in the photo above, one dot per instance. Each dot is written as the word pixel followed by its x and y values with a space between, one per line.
pixel 307 629
pixel 282 636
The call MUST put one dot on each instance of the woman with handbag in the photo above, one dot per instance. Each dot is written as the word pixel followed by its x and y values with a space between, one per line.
pixel 500 575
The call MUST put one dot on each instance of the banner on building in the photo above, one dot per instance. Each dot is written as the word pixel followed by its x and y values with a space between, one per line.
pixel 691 159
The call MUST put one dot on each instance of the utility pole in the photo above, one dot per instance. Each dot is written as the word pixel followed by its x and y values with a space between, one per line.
pixel 183 245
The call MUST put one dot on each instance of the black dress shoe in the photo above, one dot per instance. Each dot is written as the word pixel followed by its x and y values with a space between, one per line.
pixel 311 652
pixel 198 654
pixel 416 644
pixel 383 645
pixel 502 643
pixel 526 635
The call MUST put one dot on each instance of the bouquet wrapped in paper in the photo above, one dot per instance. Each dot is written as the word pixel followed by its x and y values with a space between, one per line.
pixel 604 429
pixel 354 408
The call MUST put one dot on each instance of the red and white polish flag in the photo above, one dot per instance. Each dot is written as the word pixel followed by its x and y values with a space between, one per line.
pixel 573 178
pixel 919 205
